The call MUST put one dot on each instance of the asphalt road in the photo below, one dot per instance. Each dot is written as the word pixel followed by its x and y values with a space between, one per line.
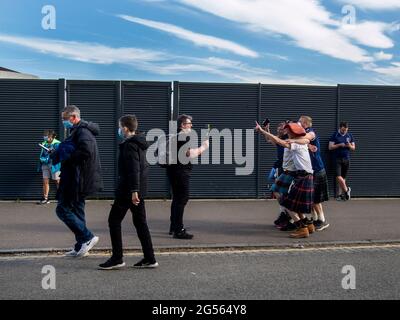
pixel 262 274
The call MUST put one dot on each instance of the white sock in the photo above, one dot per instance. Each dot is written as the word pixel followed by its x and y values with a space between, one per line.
pixel 314 215
pixel 321 216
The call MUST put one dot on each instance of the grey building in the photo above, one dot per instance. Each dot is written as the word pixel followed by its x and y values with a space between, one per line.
pixel 11 74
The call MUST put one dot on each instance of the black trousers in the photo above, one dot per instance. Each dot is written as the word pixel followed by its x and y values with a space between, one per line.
pixel 179 179
pixel 117 214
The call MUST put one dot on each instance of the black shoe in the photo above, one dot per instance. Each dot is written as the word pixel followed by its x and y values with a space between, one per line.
pixel 342 197
pixel 43 201
pixel 281 219
pixel 317 224
pixel 183 235
pixel 112 264
pixel 289 227
pixel 171 231
pixel 322 226
pixel 146 264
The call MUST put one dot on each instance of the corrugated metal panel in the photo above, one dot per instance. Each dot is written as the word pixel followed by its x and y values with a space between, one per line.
pixel 232 106
pixel 27 108
pixel 373 113
pixel 98 102
pixel 279 103
pixel 151 103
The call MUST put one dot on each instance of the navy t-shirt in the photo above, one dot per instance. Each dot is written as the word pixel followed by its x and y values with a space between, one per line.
pixel 338 138
pixel 316 160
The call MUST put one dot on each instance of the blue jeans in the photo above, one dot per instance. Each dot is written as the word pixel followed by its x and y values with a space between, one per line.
pixel 72 213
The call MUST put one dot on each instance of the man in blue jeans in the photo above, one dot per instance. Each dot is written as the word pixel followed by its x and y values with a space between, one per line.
pixel 80 177
pixel 341 143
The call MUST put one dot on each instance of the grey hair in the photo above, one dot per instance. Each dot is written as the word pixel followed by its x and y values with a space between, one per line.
pixel 72 110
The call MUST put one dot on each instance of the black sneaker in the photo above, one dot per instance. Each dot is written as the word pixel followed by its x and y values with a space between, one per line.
pixel 317 224
pixel 282 218
pixel 342 197
pixel 183 235
pixel 146 264
pixel 289 227
pixel 171 231
pixel 43 201
pixel 112 264
pixel 322 226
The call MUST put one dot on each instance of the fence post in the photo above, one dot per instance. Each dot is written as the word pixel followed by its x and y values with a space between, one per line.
pixel 62 102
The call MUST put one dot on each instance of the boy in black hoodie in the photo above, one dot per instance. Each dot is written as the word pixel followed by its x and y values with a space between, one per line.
pixel 130 193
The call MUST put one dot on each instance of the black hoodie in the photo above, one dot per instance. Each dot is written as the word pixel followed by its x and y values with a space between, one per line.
pixel 84 161
pixel 132 166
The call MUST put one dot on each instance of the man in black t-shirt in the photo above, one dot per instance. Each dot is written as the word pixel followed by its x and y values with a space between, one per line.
pixel 179 176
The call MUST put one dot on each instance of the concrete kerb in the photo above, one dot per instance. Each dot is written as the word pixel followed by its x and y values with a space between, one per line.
pixel 214 247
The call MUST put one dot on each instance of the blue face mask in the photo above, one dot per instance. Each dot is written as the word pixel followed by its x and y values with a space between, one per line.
pixel 67 124
pixel 120 134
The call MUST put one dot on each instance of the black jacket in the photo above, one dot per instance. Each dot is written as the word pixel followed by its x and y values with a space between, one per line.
pixel 132 166
pixel 81 172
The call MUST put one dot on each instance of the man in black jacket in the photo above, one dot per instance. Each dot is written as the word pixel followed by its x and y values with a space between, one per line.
pixel 130 193
pixel 80 177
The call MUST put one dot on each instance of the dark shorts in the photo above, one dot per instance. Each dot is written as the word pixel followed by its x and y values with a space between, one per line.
pixel 342 167
pixel 282 184
pixel 321 187
pixel 301 195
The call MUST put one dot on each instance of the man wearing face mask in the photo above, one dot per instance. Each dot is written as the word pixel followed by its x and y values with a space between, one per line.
pixel 130 193
pixel 49 170
pixel 80 177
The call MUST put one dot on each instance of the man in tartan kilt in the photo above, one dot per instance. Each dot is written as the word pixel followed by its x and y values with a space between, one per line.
pixel 299 199
pixel 284 166
pixel 321 187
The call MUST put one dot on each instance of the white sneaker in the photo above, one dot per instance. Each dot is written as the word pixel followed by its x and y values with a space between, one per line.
pixel 71 253
pixel 87 246
pixel 348 193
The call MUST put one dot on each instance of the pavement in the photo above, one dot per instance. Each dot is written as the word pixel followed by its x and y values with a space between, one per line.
pixel 26 227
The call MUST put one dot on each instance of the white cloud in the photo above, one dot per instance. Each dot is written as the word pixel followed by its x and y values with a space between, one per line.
pixel 85 52
pixel 305 22
pixel 275 56
pixel 153 62
pixel 368 33
pixel 196 38
pixel 234 71
pixel 374 4
pixel 381 56
pixel 392 71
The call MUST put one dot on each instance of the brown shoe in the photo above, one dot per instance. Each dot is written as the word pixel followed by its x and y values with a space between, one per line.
pixel 311 228
pixel 300 233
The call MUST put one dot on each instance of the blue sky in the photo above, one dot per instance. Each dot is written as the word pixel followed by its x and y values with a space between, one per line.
pixel 268 41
